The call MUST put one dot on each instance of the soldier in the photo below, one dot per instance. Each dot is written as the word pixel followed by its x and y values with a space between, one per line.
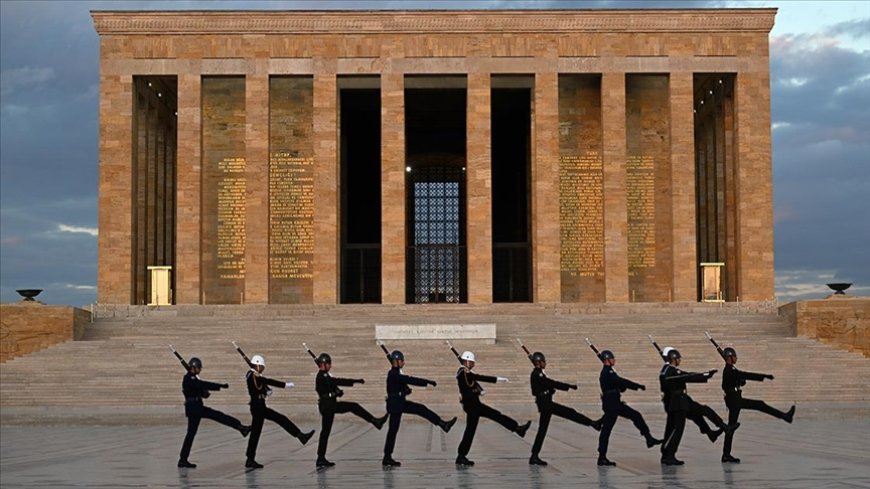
pixel 612 387
pixel 328 392
pixel 470 392
pixel 732 382
pixel 543 389
pixel 679 405
pixel 397 403
pixel 195 390
pixel 258 389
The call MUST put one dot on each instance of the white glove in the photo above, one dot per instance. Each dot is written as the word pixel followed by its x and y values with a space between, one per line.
pixel 289 385
pixel 502 380
pixel 482 392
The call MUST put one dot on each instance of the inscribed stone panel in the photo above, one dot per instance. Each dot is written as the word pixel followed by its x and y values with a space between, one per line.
pixel 291 190
pixel 223 189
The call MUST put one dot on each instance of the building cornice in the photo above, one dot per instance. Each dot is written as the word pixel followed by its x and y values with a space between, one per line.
pixel 432 22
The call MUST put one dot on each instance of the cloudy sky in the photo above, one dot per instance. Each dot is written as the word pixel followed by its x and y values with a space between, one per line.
pixel 49 71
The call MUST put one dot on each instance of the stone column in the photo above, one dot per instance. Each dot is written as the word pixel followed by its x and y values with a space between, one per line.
pixel 479 181
pixel 326 180
pixel 685 263
pixel 754 192
pixel 546 241
pixel 188 251
pixel 257 183
pixel 393 188
pixel 615 194
pixel 114 265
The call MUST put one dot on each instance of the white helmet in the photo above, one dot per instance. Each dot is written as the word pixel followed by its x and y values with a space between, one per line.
pixel 467 356
pixel 258 360
pixel 666 350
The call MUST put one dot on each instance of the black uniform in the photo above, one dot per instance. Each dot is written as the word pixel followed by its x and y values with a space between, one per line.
pixel 328 392
pixel 732 382
pixel 543 389
pixel 612 387
pixel 397 403
pixel 470 392
pixel 258 389
pixel 195 390
pixel 679 406
pixel 695 416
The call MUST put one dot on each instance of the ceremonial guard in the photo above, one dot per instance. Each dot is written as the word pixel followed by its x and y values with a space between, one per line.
pixel 328 393
pixel 679 405
pixel 397 404
pixel 195 390
pixel 259 388
pixel 612 387
pixel 470 392
pixel 543 389
pixel 733 381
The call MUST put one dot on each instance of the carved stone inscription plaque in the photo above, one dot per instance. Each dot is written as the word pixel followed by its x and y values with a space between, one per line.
pixel 640 183
pixel 231 218
pixel 581 214
pixel 291 214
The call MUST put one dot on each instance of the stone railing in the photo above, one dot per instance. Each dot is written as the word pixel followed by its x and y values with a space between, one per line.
pixel 842 322
pixel 29 327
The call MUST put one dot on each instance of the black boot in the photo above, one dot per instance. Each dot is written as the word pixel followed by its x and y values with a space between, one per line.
pixel 304 437
pixel 245 430
pixel 446 425
pixel 184 464
pixel 730 428
pixel 323 463
pixel 252 464
pixel 389 462
pixel 379 422
pixel 789 416
pixel 671 461
pixel 534 460
pixel 596 425
pixel 728 459
pixel 650 441
pixel 461 460
pixel 714 435
pixel 603 462
pixel 521 430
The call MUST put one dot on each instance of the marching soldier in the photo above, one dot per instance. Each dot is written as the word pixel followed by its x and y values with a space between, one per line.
pixel 397 404
pixel 696 417
pixel 733 381
pixel 328 392
pixel 679 405
pixel 470 392
pixel 543 389
pixel 612 387
pixel 258 389
pixel 195 390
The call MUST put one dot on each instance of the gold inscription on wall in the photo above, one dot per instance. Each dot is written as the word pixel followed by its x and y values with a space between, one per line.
pixel 640 182
pixel 291 216
pixel 231 218
pixel 581 214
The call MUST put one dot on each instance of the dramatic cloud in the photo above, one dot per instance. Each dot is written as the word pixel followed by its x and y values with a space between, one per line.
pixel 77 229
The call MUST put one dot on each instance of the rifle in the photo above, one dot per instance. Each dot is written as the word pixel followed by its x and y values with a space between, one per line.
pixel 528 353
pixel 453 350
pixel 180 359
pixel 314 357
pixel 247 360
pixel 718 348
pixel 597 353
pixel 658 348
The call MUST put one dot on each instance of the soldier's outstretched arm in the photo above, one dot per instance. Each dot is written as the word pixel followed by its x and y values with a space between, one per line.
pixel 416 380
pixel 753 376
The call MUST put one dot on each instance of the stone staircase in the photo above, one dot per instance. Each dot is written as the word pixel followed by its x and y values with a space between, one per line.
pixel 124 368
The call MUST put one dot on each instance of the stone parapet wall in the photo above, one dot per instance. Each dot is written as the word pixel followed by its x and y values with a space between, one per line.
pixel 842 322
pixel 27 328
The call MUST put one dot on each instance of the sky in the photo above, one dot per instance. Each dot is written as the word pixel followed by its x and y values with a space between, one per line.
pixel 49 98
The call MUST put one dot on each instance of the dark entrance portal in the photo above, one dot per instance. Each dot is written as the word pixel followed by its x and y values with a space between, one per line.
pixel 435 189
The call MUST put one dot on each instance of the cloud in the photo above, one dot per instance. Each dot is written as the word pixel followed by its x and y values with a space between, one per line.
pixel 27 77
pixel 801 284
pixel 858 29
pixel 80 287
pixel 77 229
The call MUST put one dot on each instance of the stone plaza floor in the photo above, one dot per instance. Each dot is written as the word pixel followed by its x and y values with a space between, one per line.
pixel 814 452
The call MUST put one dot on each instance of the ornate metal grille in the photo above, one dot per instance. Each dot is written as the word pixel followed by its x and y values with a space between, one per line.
pixel 436 255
